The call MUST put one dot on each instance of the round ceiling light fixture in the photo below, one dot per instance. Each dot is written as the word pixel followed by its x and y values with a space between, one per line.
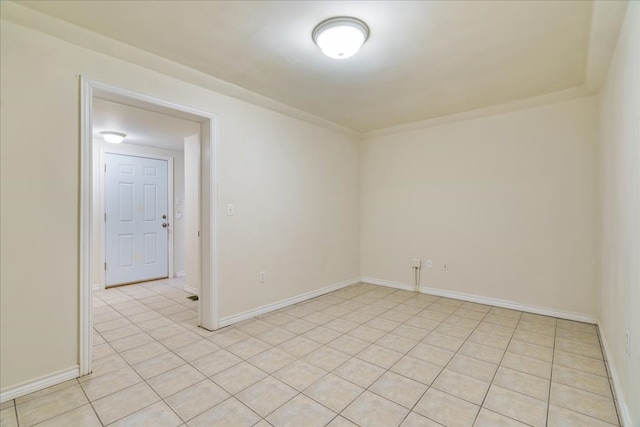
pixel 340 37
pixel 113 137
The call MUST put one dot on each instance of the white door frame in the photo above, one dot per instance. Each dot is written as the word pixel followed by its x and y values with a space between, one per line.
pixel 139 152
pixel 208 208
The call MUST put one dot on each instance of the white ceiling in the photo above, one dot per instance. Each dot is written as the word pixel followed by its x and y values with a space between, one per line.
pixel 142 127
pixel 424 59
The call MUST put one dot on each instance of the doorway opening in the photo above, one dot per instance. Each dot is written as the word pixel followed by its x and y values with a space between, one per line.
pixel 156 255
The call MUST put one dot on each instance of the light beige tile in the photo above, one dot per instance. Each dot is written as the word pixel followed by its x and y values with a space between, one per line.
pixel 144 352
pixel 299 326
pixel 415 420
pixel 528 365
pixel 180 340
pixel 359 372
pixel 334 392
pixel 538 319
pixel 580 337
pixel 582 363
pixel 396 343
pixel 584 402
pixel 132 341
pixel 175 380
pixel 272 360
pixel 505 312
pixel 582 380
pixel 318 318
pixel 561 417
pixel 462 322
pixel 372 410
pixel 443 341
pixel 158 365
pixel 396 316
pixel 489 340
pixel 231 412
pixel 300 374
pixel 517 406
pixel 571 325
pixel 366 333
pixel 9 403
pixel 301 411
pixel 417 369
pixel 380 356
pixel 248 348
pixel 431 354
pixel 383 324
pixel 422 323
pixel 497 330
pixel 8 417
pixel 321 335
pixel 228 337
pixel 83 416
pixel 102 350
pixel 196 350
pixel 522 383
pixel 482 352
pixel 156 415
pixel 358 317
pixel 446 409
pixel 436 315
pixel 487 418
pixel 167 330
pixel 238 377
pixel 112 382
pixel 410 332
pixel 124 402
pixel 462 386
pixel 278 319
pixel 472 367
pixel 349 345
pixel 104 366
pixel 196 399
pixel 44 392
pixel 537 328
pixel 327 358
pixel 399 389
pixel 470 313
pixel 500 320
pixel 341 422
pixel 531 350
pixel 266 395
pixel 533 338
pixel 276 336
pixel 575 347
pixel 341 325
pixel 299 346
pixel 254 326
pixel 216 362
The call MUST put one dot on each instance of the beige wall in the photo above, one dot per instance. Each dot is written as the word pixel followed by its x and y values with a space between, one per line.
pixel 619 207
pixel 294 186
pixel 507 201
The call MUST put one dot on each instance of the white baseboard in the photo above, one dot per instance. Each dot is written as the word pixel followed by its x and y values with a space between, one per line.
pixel 181 274
pixel 191 290
pixel 484 300
pixel 230 320
pixel 97 287
pixel 623 410
pixel 39 384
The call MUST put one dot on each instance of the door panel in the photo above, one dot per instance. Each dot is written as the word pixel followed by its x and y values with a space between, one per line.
pixel 136 199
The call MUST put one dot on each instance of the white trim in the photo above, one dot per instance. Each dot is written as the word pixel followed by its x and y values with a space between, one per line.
pixel 39 384
pixel 191 290
pixel 208 138
pixel 97 287
pixel 181 274
pixel 230 320
pixel 623 409
pixel 487 301
pixel 148 153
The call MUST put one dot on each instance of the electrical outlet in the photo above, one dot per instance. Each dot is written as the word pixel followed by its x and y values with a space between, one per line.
pixel 627 347
pixel 263 276
pixel 429 263
pixel 230 210
pixel 415 263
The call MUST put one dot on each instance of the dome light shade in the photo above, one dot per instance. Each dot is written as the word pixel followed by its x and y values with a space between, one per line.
pixel 113 137
pixel 341 37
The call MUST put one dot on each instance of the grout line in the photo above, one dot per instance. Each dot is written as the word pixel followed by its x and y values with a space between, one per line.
pixel 553 356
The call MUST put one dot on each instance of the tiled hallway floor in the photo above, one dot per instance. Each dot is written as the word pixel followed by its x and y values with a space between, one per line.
pixel 364 355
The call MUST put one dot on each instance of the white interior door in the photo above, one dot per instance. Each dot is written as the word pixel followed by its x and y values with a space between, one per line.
pixel 136 228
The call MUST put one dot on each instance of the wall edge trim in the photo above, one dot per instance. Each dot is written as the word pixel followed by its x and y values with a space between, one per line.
pixel 230 320
pixel 621 406
pixel 486 300
pixel 39 383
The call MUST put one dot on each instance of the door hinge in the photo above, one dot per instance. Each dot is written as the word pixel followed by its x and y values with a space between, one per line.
pixel 198 233
pixel 105 217
pixel 105 167
pixel 105 265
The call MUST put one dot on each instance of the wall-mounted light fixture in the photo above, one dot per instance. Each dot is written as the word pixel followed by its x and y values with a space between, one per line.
pixel 340 37
pixel 113 137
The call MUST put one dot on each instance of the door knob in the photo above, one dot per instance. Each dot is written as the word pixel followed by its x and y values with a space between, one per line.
pixel 165 225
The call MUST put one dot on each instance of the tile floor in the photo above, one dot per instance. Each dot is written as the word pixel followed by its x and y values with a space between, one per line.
pixel 364 355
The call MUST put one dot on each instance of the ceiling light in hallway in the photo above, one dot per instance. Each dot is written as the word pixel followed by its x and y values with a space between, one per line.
pixel 113 137
pixel 340 37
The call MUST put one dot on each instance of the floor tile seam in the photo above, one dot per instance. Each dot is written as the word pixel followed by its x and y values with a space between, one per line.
pixel 553 355
pixel 610 379
pixel 496 371
pixel 114 392
pixel 338 413
pixel 578 354
pixel 506 416
pixel 137 410
pixel 595 395
pixel 201 412
pixel 582 413
pixel 92 407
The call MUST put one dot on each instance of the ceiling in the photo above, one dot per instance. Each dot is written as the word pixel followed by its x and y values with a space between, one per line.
pixel 142 127
pixel 424 59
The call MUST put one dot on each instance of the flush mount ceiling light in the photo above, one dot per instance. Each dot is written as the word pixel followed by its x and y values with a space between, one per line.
pixel 340 37
pixel 113 137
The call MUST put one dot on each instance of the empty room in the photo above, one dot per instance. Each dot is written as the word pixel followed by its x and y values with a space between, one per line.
pixel 320 213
